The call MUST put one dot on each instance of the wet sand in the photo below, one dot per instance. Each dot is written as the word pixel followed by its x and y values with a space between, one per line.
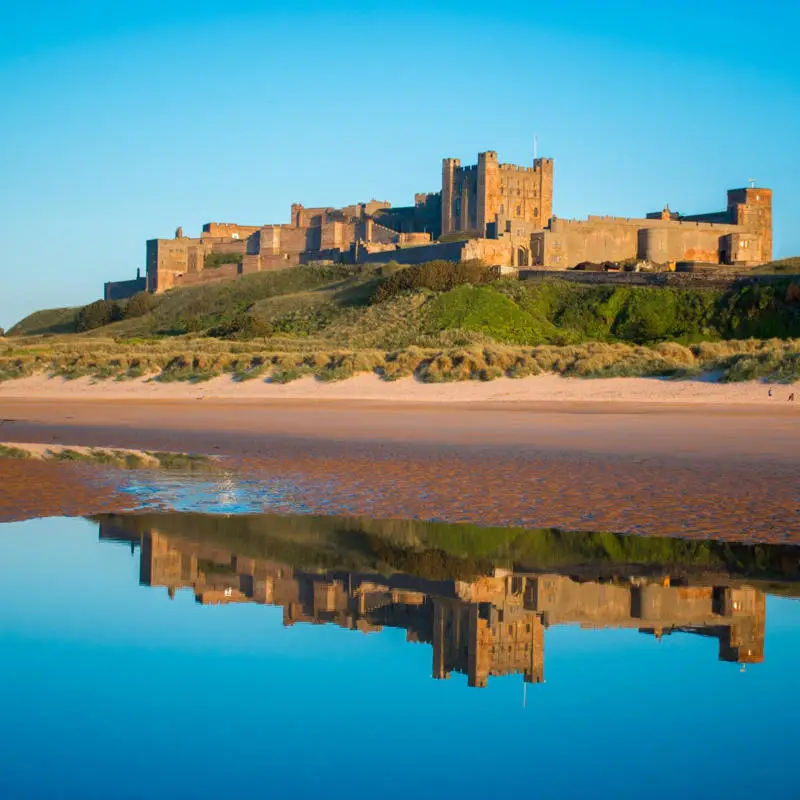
pixel 696 472
pixel 248 427
pixel 34 488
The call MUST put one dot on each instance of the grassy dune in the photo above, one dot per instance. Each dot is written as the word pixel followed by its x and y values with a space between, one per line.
pixel 199 359
pixel 439 322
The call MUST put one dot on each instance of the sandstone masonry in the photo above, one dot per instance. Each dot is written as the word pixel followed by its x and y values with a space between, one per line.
pixel 499 213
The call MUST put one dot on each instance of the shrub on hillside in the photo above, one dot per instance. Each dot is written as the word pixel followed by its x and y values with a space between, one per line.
pixel 139 305
pixel 97 314
pixel 760 312
pixel 243 325
pixel 485 310
pixel 440 276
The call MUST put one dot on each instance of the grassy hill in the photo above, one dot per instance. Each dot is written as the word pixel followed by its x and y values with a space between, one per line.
pixel 440 321
pixel 51 320
pixel 784 266
pixel 438 304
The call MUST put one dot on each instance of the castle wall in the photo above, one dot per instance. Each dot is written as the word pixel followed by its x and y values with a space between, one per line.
pixel 225 272
pixel 425 216
pixel 749 214
pixel 227 230
pixel 496 252
pixel 569 242
pixel 166 259
pixel 229 246
pixel 337 235
pixel 122 290
pixel 723 278
pixel 448 251
pixel 278 239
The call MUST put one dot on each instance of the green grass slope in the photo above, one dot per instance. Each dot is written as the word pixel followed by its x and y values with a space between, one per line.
pixel 50 320
pixel 436 305
pixel 783 266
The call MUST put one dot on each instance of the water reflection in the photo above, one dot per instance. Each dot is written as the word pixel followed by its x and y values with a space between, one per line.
pixel 482 600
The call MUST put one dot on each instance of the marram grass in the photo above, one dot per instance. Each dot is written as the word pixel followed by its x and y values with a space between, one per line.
pixel 197 359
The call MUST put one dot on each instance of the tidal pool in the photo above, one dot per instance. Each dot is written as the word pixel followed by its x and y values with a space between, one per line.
pixel 187 655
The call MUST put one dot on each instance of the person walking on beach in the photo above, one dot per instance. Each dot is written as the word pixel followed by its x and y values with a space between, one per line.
pixel 769 393
pixel 791 397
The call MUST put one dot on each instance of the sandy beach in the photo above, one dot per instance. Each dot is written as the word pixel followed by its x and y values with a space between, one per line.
pixel 538 389
pixel 721 463
pixel 647 418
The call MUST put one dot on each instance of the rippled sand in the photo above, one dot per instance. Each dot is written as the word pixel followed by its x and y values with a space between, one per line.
pixel 727 475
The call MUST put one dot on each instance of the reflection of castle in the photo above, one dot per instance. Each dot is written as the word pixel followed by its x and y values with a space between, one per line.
pixel 490 626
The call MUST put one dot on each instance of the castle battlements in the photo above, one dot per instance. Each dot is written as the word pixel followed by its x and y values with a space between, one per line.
pixel 499 213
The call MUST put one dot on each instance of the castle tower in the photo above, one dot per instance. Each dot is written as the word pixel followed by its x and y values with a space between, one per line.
pixel 752 209
pixel 543 211
pixel 488 190
pixel 297 215
pixel 511 197
pixel 449 169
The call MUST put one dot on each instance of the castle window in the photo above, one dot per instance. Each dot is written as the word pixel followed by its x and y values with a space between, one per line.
pixel 519 211
pixel 535 212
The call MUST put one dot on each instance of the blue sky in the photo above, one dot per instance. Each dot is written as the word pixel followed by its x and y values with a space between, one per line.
pixel 124 120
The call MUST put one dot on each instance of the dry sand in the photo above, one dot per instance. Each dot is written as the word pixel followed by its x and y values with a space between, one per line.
pixel 538 389
pixel 630 416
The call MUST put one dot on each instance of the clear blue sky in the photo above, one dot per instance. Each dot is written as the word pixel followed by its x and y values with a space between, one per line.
pixel 123 120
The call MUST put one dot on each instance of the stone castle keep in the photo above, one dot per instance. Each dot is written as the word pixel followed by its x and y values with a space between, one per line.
pixel 499 213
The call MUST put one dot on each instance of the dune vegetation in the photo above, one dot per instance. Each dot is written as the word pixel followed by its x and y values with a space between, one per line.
pixel 438 322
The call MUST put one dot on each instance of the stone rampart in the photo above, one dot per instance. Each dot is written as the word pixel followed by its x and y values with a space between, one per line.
pixel 449 251
pixel 223 273
pixel 706 279
pixel 122 290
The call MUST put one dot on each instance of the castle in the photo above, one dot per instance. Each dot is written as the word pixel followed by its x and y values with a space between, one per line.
pixel 499 213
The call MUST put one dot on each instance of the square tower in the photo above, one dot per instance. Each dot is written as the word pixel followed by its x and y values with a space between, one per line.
pixel 484 198
pixel 752 209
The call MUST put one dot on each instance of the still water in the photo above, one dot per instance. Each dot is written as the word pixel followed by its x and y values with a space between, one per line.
pixel 181 655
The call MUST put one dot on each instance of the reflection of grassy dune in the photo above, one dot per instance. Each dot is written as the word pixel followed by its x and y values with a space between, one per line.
pixel 438 551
